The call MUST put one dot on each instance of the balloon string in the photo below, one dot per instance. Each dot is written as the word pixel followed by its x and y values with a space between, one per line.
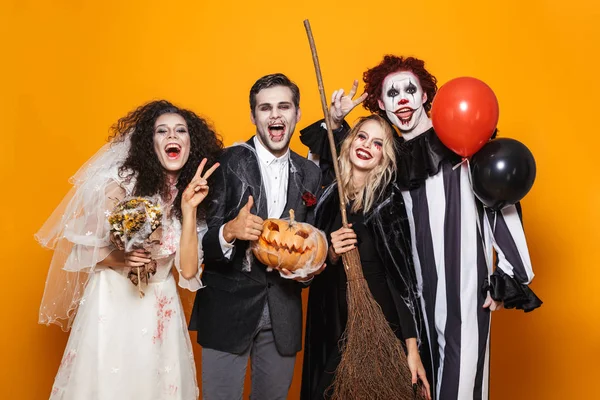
pixel 479 228
pixel 464 159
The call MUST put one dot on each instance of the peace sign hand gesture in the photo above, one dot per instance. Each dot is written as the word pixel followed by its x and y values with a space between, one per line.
pixel 197 190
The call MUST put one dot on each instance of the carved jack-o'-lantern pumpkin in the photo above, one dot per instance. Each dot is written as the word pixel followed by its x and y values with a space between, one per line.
pixel 291 245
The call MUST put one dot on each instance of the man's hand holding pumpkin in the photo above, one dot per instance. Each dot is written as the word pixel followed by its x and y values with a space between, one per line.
pixel 307 278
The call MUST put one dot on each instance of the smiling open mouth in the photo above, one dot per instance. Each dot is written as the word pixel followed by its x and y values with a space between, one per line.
pixel 404 114
pixel 173 150
pixel 277 131
pixel 363 154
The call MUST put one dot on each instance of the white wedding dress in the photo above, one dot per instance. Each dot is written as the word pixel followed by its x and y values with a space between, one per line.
pixel 121 346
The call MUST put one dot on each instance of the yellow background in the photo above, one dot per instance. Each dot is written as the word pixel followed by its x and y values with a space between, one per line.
pixel 71 68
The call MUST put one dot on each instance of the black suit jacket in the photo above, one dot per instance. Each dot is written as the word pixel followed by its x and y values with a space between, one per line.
pixel 227 311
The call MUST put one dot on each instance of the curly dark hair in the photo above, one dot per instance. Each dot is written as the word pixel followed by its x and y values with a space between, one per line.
pixel 375 76
pixel 142 161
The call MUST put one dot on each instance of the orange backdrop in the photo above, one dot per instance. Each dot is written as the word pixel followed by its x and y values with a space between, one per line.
pixel 71 68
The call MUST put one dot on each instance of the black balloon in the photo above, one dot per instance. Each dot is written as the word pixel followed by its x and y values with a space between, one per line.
pixel 503 171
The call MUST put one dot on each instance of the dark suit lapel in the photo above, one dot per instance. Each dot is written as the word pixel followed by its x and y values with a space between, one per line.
pixel 295 185
pixel 255 181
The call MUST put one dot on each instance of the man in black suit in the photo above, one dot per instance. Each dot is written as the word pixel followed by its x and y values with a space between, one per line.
pixel 244 310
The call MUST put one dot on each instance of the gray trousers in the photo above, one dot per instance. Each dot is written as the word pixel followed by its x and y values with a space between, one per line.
pixel 223 373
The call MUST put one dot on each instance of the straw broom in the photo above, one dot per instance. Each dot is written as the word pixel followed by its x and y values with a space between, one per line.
pixel 373 364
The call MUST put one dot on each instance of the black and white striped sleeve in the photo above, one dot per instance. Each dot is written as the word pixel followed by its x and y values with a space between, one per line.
pixel 514 271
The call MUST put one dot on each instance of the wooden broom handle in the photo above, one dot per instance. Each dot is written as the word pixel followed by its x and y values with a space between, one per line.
pixel 336 168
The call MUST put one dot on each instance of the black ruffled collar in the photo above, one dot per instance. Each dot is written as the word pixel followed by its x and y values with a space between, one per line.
pixel 420 158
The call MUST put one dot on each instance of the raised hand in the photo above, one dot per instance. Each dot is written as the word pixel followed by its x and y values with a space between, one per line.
pixel 197 190
pixel 246 226
pixel 342 105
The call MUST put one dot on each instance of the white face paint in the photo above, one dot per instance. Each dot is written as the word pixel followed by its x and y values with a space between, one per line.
pixel 402 98
pixel 275 117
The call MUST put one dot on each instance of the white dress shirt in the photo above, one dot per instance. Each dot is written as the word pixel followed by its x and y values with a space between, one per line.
pixel 274 172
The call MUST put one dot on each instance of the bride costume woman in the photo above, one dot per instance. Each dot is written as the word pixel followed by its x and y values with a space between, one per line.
pixel 122 346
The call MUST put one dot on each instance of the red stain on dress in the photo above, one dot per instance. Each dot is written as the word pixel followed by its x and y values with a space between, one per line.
pixel 163 315
pixel 173 390
pixel 68 359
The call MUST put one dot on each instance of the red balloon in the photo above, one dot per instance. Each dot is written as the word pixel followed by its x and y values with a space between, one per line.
pixel 464 115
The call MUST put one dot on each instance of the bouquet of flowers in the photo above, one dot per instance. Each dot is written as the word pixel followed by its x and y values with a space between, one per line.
pixel 135 223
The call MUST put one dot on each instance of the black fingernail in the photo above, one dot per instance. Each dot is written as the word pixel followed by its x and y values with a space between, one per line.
pixel 415 388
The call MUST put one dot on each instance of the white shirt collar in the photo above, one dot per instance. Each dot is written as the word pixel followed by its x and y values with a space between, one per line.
pixel 266 156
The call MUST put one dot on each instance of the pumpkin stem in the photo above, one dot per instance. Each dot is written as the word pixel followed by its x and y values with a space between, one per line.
pixel 292 217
